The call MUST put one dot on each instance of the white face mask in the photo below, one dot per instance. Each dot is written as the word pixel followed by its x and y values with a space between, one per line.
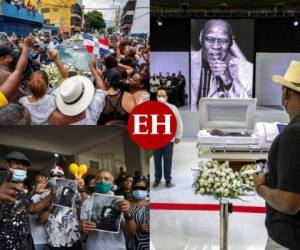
pixel 162 99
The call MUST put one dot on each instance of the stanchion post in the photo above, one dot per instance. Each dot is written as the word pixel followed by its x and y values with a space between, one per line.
pixel 224 212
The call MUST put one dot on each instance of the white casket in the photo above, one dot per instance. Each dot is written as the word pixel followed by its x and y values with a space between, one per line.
pixel 227 127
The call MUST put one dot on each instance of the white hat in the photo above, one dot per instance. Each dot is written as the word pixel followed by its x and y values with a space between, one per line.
pixel 57 171
pixel 291 79
pixel 74 95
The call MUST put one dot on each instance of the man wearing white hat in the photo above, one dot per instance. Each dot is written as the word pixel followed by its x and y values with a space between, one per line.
pixel 77 100
pixel 281 187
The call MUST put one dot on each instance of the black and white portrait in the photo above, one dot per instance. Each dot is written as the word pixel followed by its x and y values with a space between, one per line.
pixel 219 67
pixel 65 193
pixel 105 212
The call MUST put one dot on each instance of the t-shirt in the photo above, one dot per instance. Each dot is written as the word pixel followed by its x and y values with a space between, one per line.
pixel 284 174
pixel 40 110
pixel 3 100
pixel 93 111
pixel 141 241
pixel 101 240
pixel 63 226
pixel 38 232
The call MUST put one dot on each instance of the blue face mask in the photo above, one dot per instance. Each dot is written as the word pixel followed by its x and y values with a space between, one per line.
pixel 103 187
pixel 139 194
pixel 19 175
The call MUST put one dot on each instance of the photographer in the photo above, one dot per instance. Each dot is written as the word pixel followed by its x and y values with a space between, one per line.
pixel 14 221
pixel 281 187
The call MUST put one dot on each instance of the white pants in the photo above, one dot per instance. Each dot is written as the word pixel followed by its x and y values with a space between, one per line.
pixel 272 245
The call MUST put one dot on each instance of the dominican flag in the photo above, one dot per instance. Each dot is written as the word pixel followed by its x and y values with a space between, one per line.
pixel 89 42
pixel 96 46
pixel 104 46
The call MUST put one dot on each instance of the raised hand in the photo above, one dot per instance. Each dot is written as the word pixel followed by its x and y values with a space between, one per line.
pixel 220 68
pixel 28 42
pixel 124 206
pixel 92 63
pixel 87 227
pixel 80 186
pixel 41 187
pixel 8 191
pixel 52 54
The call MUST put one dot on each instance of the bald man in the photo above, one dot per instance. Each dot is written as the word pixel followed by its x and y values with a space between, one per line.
pixel 219 69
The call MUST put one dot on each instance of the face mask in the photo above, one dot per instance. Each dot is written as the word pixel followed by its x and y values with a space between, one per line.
pixel 19 175
pixel 139 194
pixel 162 99
pixel 52 181
pixel 103 187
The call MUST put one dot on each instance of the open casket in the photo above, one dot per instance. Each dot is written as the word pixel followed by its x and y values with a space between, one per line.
pixel 227 130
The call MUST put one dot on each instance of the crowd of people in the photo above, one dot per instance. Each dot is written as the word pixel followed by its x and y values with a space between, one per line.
pixel 173 84
pixel 119 82
pixel 29 219
pixel 31 8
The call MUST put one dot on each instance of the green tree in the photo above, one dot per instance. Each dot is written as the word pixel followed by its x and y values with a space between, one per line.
pixel 94 21
pixel 110 30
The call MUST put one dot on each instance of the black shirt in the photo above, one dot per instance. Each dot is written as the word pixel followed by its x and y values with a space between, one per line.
pixel 284 174
pixel 14 224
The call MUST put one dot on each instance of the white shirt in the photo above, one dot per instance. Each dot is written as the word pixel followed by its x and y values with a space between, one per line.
pixel 243 77
pixel 38 232
pixel 179 129
pixel 40 110
pixel 93 111
pixel 98 240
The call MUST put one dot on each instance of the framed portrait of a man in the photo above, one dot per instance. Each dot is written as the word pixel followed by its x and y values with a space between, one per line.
pixel 65 193
pixel 105 212
pixel 221 60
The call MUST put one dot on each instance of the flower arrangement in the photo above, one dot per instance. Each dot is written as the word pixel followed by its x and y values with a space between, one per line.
pixel 221 181
pixel 53 73
pixel 77 37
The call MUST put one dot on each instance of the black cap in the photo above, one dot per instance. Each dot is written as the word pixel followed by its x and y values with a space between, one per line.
pixel 17 156
pixel 4 51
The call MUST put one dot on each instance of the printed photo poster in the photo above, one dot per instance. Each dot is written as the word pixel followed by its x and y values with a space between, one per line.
pixel 105 212
pixel 65 193
pixel 221 58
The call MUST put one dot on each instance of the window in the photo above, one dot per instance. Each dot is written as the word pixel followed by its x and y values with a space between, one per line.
pixel 45 10
pixel 94 164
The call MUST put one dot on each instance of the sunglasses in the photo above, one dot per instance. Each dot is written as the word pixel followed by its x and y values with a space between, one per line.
pixel 140 188
pixel 56 175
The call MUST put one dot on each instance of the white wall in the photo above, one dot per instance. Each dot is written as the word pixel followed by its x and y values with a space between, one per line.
pixel 269 64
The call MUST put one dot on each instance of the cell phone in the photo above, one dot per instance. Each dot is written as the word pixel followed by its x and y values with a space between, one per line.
pixel 99 63
pixel 262 166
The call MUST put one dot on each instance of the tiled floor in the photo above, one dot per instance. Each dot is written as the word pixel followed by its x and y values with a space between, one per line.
pixel 199 230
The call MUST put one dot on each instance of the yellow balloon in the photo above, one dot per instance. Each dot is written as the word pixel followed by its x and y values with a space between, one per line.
pixel 74 169
pixel 82 170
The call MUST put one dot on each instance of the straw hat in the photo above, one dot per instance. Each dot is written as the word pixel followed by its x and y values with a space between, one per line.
pixel 74 95
pixel 291 79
